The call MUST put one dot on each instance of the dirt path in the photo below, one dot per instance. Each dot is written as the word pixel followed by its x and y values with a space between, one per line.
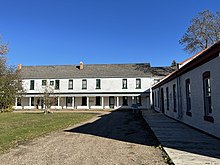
pixel 119 137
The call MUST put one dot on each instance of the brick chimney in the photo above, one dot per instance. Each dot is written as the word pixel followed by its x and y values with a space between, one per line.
pixel 81 66
pixel 19 66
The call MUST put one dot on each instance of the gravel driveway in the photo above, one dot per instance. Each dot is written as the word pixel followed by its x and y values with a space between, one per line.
pixel 117 137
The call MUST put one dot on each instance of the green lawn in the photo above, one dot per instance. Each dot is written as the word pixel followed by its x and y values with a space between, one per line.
pixel 20 127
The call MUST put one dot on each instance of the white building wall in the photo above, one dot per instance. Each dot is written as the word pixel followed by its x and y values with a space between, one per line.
pixel 197 100
pixel 107 85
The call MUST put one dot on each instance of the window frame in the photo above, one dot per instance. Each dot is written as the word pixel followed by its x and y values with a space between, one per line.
pixel 174 98
pixel 188 97
pixel 158 99
pixel 207 97
pixel 70 84
pixel 44 82
pixel 98 83
pixel 57 85
pixel 52 83
pixel 18 101
pixel 32 84
pixel 124 84
pixel 84 85
pixel 167 97
pixel 138 83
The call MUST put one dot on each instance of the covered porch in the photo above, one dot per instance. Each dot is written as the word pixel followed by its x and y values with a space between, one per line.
pixel 83 102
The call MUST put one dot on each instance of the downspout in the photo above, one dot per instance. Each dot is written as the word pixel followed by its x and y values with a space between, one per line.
pixel 179 96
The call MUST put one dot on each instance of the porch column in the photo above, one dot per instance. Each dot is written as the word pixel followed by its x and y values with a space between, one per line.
pixel 58 101
pixel 117 101
pixel 88 102
pixel 103 102
pixel 30 102
pixel 133 100
pixel 73 102
pixel 16 101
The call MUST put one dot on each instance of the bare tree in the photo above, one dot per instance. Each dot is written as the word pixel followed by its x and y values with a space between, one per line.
pixel 49 98
pixel 202 33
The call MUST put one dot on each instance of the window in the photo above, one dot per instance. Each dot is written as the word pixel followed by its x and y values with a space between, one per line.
pixel 56 101
pixel 98 101
pixel 138 100
pixel 125 101
pixel 188 98
pixel 98 84
pixel 69 101
pixel 84 84
pixel 174 97
pixel 167 96
pixel 57 84
pixel 84 101
pixel 32 101
pixel 18 101
pixel 52 83
pixel 70 84
pixel 44 82
pixel 158 99
pixel 207 97
pixel 138 83
pixel 124 84
pixel 31 84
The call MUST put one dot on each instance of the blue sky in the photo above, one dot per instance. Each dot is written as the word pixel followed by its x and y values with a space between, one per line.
pixel 59 32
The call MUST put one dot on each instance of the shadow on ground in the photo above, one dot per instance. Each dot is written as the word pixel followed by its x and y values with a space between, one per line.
pixel 176 135
pixel 120 125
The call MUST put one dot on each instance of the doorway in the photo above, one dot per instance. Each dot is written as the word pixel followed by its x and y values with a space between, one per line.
pixel 111 101
pixel 69 101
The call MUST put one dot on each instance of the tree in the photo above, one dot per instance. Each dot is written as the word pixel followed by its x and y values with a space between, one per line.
pixel 3 47
pixel 10 82
pixel 49 98
pixel 202 33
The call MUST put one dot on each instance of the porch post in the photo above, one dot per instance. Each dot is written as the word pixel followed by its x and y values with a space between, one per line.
pixel 16 101
pixel 88 102
pixel 103 102
pixel 58 101
pixel 29 102
pixel 73 102
pixel 117 101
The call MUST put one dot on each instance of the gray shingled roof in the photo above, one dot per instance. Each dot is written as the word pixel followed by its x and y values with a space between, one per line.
pixel 93 71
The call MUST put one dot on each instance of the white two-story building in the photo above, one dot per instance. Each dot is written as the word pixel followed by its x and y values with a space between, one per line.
pixel 98 86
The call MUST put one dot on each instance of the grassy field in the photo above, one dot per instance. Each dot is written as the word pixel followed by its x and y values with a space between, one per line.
pixel 20 127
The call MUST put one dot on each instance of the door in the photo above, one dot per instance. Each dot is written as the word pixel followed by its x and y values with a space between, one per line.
pixel 111 101
pixel 162 100
pixel 68 101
